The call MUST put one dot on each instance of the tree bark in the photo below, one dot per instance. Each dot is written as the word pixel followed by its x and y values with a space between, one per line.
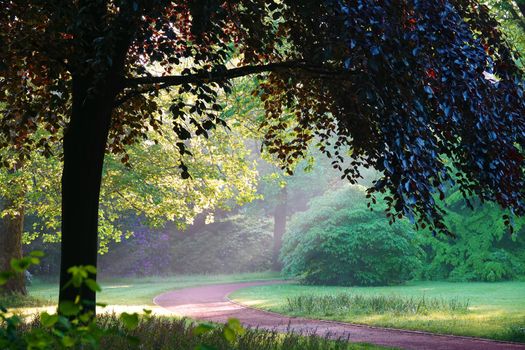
pixel 279 227
pixel 11 229
pixel 520 17
pixel 521 6
pixel 84 147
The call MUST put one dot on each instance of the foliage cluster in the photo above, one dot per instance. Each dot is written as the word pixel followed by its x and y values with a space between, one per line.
pixel 483 249
pixel 238 243
pixel 340 241
pixel 340 304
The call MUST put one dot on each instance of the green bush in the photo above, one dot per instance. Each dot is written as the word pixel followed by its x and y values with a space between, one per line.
pixel 235 244
pixel 339 241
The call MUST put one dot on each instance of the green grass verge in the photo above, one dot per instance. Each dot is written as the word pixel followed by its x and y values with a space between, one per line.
pixel 496 310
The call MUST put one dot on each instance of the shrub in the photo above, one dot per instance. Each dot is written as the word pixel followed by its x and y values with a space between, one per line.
pixel 234 244
pixel 339 241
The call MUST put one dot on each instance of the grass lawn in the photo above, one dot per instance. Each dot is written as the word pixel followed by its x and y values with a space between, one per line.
pixel 496 310
pixel 126 294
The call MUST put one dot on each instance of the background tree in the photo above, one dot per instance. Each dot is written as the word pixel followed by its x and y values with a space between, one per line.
pixel 148 186
pixel 403 84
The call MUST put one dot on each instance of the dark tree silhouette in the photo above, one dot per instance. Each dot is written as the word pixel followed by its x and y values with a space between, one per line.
pixel 425 91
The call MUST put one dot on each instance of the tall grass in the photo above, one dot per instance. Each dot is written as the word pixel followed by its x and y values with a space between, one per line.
pixel 162 333
pixel 19 300
pixel 328 305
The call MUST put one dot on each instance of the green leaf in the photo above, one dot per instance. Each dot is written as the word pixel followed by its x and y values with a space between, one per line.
pixel 203 328
pixel 20 265
pixel 93 285
pixel 69 308
pixel 85 317
pixel 130 321
pixel 63 322
pixel 204 347
pixel 232 329
pixel 91 269
pixel 48 320
pixel 67 341
pixel 37 254
pixel 236 325
pixel 4 277
pixel 229 334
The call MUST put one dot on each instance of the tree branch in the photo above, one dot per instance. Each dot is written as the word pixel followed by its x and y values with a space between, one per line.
pixel 221 75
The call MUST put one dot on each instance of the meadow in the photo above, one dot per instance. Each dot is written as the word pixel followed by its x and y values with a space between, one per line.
pixel 488 310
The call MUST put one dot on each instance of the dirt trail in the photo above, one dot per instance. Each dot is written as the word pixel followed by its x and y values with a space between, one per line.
pixel 210 303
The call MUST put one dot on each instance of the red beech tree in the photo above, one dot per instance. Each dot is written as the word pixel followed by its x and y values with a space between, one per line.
pixel 425 91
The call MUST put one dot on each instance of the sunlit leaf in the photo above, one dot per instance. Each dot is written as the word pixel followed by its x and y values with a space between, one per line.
pixel 130 321
pixel 69 308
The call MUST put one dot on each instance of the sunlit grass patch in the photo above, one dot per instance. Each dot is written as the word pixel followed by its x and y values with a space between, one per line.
pixel 142 290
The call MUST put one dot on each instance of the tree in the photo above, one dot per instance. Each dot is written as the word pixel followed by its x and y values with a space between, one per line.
pixel 11 247
pixel 148 186
pixel 412 87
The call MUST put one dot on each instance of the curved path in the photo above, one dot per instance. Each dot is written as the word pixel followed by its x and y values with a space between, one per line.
pixel 210 303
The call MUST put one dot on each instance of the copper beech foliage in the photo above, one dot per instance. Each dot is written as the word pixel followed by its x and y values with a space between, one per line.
pixel 428 92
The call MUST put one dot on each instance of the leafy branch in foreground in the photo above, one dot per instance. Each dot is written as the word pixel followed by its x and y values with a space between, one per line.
pixel 75 325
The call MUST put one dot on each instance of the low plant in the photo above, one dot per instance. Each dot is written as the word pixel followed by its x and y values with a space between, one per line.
pixel 328 305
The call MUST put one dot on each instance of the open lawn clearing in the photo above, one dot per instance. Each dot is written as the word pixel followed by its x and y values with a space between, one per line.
pixel 128 294
pixel 496 310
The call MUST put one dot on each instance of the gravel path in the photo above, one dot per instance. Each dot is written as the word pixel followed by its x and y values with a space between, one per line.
pixel 210 303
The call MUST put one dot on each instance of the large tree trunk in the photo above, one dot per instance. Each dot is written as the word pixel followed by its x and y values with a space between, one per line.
pixel 519 17
pixel 84 147
pixel 521 6
pixel 11 229
pixel 279 227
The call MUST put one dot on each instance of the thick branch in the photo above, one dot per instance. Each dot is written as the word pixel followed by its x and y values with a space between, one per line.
pixel 217 76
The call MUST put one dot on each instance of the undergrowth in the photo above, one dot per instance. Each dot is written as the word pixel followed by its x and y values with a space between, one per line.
pixel 163 333
pixel 374 304
pixel 19 300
